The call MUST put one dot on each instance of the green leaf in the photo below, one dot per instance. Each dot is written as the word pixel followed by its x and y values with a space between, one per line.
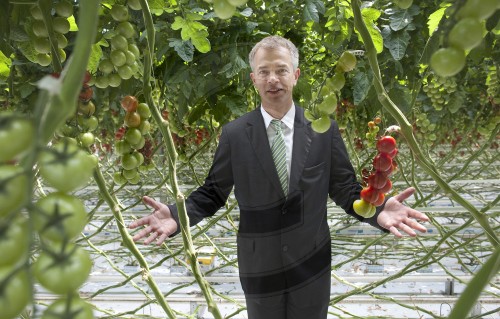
pixel 72 24
pixel 200 41
pixel 184 49
pixel 157 6
pixel 5 64
pixel 396 42
pixel 234 67
pixel 362 85
pixel 370 14
pixel 179 23
pixel 400 20
pixel 312 9
pixel 434 19
pixel 95 57
pixel 471 293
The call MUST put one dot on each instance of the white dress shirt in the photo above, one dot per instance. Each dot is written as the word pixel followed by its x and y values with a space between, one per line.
pixel 287 127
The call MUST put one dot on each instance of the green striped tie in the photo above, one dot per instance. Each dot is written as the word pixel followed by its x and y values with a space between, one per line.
pixel 279 155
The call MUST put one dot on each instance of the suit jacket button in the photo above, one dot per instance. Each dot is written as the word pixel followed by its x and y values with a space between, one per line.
pixel 285 248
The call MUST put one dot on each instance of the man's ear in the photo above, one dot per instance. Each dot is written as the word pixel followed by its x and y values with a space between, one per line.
pixel 252 76
pixel 296 75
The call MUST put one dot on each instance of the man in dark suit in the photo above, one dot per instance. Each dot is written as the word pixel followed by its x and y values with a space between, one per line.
pixel 284 252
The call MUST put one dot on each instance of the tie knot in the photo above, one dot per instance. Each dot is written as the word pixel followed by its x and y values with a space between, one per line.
pixel 277 125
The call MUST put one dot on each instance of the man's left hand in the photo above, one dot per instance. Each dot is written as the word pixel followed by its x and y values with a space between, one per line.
pixel 396 216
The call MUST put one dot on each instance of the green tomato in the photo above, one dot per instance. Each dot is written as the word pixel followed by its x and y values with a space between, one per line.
pixel 66 167
pixel 129 161
pixel 337 82
pixel 321 125
pixel 403 4
pixel 448 61
pixel 20 130
pixel 364 208
pixel 466 34
pixel 119 42
pixel 122 147
pixel 346 62
pixel 133 136
pixel 15 292
pixel 63 272
pixel 59 217
pixel 134 4
pixel 237 3
pixel 87 139
pixel 64 9
pixel 14 241
pixel 42 45
pixel 13 189
pixel 69 307
pixel 479 9
pixel 61 25
pixel 329 104
pixel 126 29
pixel 119 13
pixel 118 58
pixel 143 110
pixel 223 9
pixel 106 66
pixel 119 179
pixel 130 174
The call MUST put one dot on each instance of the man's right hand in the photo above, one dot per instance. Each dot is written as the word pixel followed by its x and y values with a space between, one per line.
pixel 159 225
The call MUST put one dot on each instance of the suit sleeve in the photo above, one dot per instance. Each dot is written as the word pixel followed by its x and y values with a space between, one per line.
pixel 344 188
pixel 212 195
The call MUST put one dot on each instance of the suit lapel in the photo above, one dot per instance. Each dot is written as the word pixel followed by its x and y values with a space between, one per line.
pixel 301 145
pixel 257 135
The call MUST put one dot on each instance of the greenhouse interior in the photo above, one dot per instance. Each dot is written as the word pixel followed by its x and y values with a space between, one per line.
pixel 112 109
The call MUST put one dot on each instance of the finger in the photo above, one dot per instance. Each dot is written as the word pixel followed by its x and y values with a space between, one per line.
pixel 416 225
pixel 151 238
pixel 407 229
pixel 139 222
pixel 161 239
pixel 150 202
pixel 418 215
pixel 395 232
pixel 401 197
pixel 142 233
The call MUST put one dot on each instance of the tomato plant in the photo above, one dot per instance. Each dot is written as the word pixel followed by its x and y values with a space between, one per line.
pixel 62 272
pixel 14 241
pixel 69 307
pixel 59 216
pixel 62 160
pixel 15 291
pixel 13 189
pixel 17 129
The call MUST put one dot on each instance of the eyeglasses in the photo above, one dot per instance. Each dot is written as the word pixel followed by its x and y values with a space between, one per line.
pixel 264 74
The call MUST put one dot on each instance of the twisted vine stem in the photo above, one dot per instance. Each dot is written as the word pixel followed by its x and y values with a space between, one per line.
pixel 172 163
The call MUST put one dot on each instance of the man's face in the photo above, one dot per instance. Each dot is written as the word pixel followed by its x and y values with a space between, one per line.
pixel 274 76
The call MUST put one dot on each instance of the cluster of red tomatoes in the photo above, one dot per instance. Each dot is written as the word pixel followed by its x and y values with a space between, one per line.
pixel 378 182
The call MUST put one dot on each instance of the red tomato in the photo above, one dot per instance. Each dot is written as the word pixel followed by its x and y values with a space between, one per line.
pixel 380 199
pixel 129 103
pixel 382 162
pixel 369 194
pixel 386 144
pixel 387 187
pixel 377 180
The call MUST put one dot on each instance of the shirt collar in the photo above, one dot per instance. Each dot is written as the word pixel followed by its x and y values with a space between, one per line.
pixel 288 119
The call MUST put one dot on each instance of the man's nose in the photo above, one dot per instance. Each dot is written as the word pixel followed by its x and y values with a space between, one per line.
pixel 272 78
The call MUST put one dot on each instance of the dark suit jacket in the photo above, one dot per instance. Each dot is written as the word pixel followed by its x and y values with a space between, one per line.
pixel 283 241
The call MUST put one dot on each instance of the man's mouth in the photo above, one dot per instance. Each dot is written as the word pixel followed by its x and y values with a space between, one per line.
pixel 275 90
